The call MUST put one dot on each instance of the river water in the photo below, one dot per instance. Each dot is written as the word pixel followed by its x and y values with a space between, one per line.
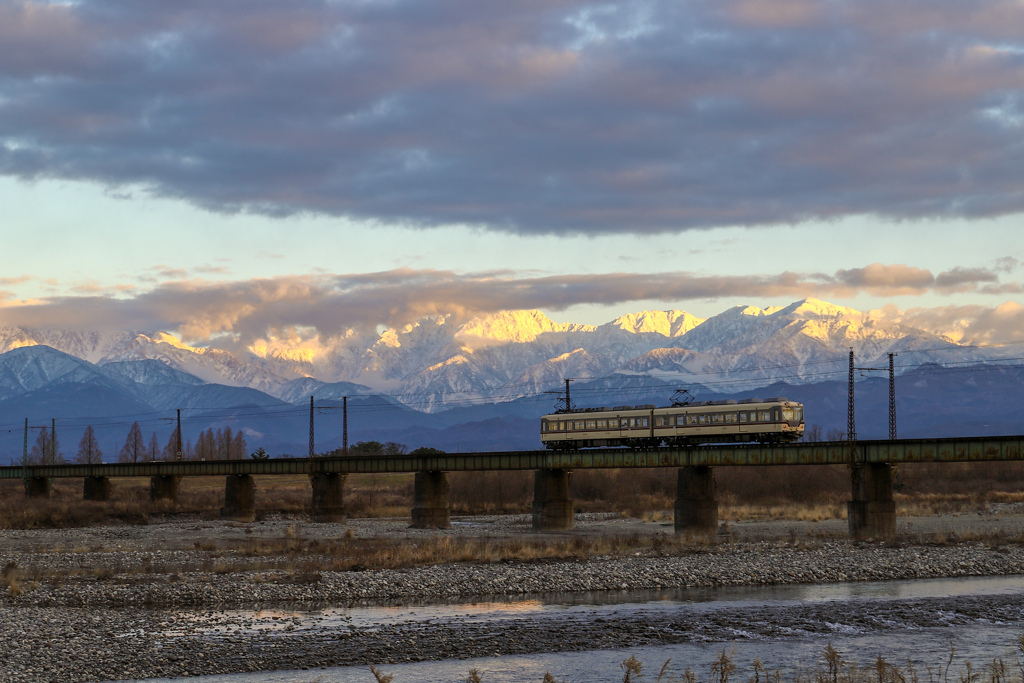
pixel 787 628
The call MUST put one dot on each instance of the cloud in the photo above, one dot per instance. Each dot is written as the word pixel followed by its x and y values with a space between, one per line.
pixel 972 324
pixel 888 279
pixel 536 116
pixel 242 311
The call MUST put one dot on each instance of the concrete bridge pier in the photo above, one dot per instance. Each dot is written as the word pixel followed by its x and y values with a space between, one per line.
pixel 430 506
pixel 239 498
pixel 329 497
pixel 872 512
pixel 96 488
pixel 696 509
pixel 164 487
pixel 37 487
pixel 552 506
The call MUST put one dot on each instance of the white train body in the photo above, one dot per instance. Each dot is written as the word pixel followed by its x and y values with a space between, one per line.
pixel 771 420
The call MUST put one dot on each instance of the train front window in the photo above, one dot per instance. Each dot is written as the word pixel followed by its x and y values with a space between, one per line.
pixel 787 414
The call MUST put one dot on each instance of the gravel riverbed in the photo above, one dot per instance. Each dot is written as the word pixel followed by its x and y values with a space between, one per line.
pixel 76 607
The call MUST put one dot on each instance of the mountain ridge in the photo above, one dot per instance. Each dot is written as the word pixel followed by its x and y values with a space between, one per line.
pixel 510 354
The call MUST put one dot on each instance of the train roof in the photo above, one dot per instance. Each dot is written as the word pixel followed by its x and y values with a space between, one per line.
pixel 696 404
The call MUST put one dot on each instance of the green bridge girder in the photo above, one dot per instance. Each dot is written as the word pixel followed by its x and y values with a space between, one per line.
pixel 974 449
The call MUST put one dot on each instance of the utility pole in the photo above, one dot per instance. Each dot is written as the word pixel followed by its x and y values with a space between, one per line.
pixel 24 448
pixel 310 427
pixel 565 401
pixel 53 441
pixel 892 399
pixel 344 425
pixel 851 426
pixel 178 435
pixel 892 392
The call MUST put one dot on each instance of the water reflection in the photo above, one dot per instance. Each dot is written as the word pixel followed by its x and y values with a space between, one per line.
pixel 587 605
pixel 789 650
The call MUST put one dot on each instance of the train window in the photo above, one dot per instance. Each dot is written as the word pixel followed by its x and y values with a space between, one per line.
pixel 763 416
pixel 691 419
pixel 787 414
pixel 613 423
pixel 561 426
pixel 602 424
pixel 645 422
pixel 743 417
pixel 702 419
pixel 730 417
pixel 543 425
pixel 577 424
pixel 591 424
pixel 717 419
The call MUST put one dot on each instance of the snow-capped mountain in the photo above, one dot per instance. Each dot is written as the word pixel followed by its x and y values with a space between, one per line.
pixel 438 362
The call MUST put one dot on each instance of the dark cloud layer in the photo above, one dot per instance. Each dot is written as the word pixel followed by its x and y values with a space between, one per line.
pixel 537 116
pixel 243 311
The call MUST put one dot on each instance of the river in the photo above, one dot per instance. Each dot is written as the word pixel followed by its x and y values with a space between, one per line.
pixel 787 628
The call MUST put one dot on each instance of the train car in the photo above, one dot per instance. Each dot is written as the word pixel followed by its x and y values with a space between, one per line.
pixel 771 420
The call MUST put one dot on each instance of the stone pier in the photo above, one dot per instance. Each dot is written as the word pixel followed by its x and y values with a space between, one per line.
pixel 329 497
pixel 696 509
pixel 96 488
pixel 872 512
pixel 37 487
pixel 552 506
pixel 164 487
pixel 430 507
pixel 239 498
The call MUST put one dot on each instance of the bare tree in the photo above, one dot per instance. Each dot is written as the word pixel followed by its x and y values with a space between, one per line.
pixel 89 452
pixel 153 451
pixel 238 446
pixel 170 451
pixel 835 434
pixel 44 450
pixel 134 448
pixel 206 445
pixel 814 433
pixel 224 438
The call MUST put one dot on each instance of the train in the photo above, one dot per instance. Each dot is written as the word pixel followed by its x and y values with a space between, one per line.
pixel 770 420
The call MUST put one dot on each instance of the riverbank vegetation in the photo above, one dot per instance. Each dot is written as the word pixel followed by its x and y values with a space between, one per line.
pixel 832 667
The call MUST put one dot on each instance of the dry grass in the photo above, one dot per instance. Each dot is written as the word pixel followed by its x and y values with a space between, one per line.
pixel 347 554
pixel 832 667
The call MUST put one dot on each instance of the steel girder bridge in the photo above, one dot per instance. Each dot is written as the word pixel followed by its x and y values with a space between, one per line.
pixel 871 509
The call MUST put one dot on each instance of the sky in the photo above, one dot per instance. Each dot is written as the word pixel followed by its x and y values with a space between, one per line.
pixel 243 168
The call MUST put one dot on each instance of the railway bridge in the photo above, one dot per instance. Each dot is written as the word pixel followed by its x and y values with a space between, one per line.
pixel 871 509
